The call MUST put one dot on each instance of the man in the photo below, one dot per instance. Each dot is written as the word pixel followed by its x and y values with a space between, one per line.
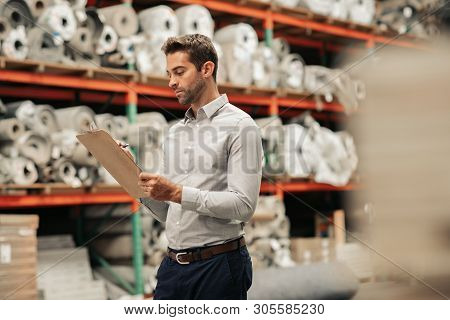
pixel 210 182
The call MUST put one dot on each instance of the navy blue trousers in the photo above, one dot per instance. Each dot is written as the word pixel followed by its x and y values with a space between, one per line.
pixel 223 276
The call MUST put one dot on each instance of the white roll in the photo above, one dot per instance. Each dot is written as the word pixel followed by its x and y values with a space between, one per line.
pixel 241 34
pixel 59 20
pixel 77 118
pixel 25 172
pixel 82 157
pixel 45 47
pixel 340 9
pixel 319 80
pixel 106 122
pixel 362 11
pixel 65 140
pixel 37 6
pixel 30 145
pixel 108 40
pixel 323 7
pixel 296 139
pixel 11 129
pixel 17 12
pixel 221 67
pixel 292 71
pixel 195 19
pixel 15 44
pixel 5 28
pixel 40 119
pixel 122 18
pixel 63 171
pixel 238 62
pixel 281 47
pixel 265 64
pixel 122 125
pixel 159 23
pixel 286 3
pixel 82 40
pixel 88 175
pixel 144 59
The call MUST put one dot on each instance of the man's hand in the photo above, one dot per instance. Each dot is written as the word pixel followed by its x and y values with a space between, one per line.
pixel 124 146
pixel 159 188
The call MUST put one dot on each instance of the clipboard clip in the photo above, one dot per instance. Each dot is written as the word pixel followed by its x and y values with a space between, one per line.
pixel 93 126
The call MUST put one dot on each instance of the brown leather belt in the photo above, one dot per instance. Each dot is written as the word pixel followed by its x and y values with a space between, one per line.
pixel 186 257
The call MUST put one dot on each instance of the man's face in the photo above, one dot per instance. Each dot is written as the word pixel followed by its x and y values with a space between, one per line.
pixel 184 78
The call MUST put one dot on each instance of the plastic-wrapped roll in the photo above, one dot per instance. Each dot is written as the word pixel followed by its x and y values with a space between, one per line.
pixel 318 80
pixel 121 130
pixel 221 67
pixel 339 9
pixel 88 175
pixel 77 118
pixel 238 62
pixel 38 118
pixel 106 122
pixel 15 44
pixel 241 34
pixel 286 3
pixel 65 141
pixel 122 18
pixel 281 47
pixel 362 11
pixel 17 12
pixel 60 20
pixel 63 171
pixel 43 46
pixel 292 71
pixel 144 59
pixel 25 172
pixel 147 122
pixel 159 23
pixel 79 11
pixel 195 19
pixel 82 157
pixel 30 145
pixel 82 40
pixel 11 129
pixel 37 6
pixel 323 7
pixel 5 28
pixel 108 40
pixel 265 62
pixel 296 139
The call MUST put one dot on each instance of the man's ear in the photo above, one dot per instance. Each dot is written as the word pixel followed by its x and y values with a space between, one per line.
pixel 208 69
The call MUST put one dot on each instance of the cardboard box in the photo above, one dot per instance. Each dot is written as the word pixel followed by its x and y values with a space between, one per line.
pixel 307 250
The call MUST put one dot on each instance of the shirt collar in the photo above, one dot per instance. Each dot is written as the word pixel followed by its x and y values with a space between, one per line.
pixel 209 109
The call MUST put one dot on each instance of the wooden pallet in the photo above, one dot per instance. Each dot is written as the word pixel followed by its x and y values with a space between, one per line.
pixel 154 80
pixel 246 90
pixel 68 70
pixel 56 189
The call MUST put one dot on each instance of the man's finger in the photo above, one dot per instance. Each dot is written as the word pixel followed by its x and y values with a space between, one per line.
pixel 147 176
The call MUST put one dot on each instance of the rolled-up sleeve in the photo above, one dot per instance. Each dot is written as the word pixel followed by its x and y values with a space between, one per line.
pixel 244 168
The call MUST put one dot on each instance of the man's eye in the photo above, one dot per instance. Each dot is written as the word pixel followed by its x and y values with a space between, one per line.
pixel 179 73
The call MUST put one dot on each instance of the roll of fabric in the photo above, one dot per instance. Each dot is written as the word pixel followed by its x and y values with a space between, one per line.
pixel 63 171
pixel 121 129
pixel 82 40
pixel 82 157
pixel 65 140
pixel 106 122
pixel 319 80
pixel 221 67
pixel 30 145
pixel 159 23
pixel 281 47
pixel 295 151
pixel 37 6
pixel 78 7
pixel 94 22
pixel 15 44
pixel 362 11
pixel 40 119
pixel 241 34
pixel 17 12
pixel 59 20
pixel 286 3
pixel 122 18
pixel 292 71
pixel 144 59
pixel 238 62
pixel 88 175
pixel 45 47
pixel 265 64
pixel 25 172
pixel 5 28
pixel 77 118
pixel 340 9
pixel 11 129
pixel 323 7
pixel 108 40
pixel 195 19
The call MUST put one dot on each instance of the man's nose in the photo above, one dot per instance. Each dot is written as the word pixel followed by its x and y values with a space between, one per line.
pixel 172 83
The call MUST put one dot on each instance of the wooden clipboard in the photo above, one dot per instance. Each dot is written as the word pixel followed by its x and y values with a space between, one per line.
pixel 105 149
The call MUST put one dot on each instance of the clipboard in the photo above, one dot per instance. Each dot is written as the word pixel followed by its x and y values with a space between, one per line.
pixel 105 149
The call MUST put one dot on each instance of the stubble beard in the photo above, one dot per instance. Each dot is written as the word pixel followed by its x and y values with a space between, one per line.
pixel 192 94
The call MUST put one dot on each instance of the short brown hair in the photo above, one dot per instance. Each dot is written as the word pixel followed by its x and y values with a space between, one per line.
pixel 199 47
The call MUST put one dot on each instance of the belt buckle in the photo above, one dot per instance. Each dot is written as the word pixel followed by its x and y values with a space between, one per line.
pixel 178 260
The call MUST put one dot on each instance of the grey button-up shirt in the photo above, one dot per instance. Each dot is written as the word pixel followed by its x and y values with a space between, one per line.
pixel 217 158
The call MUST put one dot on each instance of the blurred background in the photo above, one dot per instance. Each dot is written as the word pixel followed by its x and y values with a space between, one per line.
pixel 351 97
